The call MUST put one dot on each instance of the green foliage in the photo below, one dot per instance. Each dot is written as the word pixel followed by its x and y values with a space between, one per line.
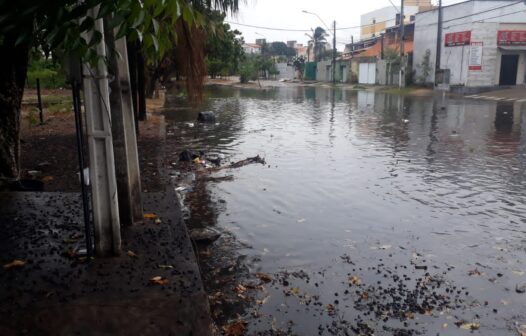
pixel 67 25
pixel 318 42
pixel 223 47
pixel 49 72
pixel 247 72
pixel 280 49
pixel 392 55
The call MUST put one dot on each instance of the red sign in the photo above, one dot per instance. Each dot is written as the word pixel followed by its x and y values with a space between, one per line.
pixel 457 39
pixel 511 37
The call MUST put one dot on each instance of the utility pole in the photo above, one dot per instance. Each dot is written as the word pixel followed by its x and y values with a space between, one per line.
pixel 439 39
pixel 106 220
pixel 334 52
pixel 401 80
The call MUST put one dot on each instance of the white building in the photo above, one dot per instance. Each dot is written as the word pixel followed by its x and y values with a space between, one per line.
pixel 374 23
pixel 251 48
pixel 483 42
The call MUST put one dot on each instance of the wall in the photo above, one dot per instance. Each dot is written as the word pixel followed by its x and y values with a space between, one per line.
pixel 457 58
pixel 285 71
pixel 324 71
pixel 385 18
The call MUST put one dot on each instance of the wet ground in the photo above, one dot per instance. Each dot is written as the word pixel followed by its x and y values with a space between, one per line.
pixel 374 214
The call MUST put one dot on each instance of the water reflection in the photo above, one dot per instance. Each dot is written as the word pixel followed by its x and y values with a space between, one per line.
pixel 349 171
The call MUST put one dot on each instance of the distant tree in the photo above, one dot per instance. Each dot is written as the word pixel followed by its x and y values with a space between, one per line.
pixel 318 42
pixel 223 49
pixel 425 67
pixel 281 49
pixel 298 62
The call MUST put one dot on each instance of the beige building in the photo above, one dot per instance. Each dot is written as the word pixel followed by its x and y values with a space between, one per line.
pixel 374 23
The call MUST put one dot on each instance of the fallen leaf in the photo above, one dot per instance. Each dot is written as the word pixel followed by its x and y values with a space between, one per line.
pixel 157 221
pixel 15 263
pixel 47 179
pixel 469 326
pixel 474 272
pixel 150 216
pixel 236 328
pixel 166 266
pixel 365 295
pixel 131 254
pixel 301 220
pixel 409 315
pixel 330 307
pixel 295 291
pixel 264 277
pixel 385 247
pixel 159 280
pixel 519 273
pixel 265 300
pixel 240 289
pixel 355 280
pixel 444 325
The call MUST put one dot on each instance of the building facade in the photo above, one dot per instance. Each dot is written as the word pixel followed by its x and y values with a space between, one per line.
pixel 375 23
pixel 251 48
pixel 483 43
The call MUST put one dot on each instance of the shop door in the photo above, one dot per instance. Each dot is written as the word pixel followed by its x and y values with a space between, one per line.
pixel 508 69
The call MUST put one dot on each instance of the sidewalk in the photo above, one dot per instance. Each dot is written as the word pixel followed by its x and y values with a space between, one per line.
pixel 517 94
pixel 57 293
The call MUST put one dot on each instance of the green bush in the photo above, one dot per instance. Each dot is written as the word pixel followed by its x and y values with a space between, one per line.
pixel 247 73
pixel 51 75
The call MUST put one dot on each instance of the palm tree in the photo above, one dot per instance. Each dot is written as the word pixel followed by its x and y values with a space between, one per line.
pixel 318 42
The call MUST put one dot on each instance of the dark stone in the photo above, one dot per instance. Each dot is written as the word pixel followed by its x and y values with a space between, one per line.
pixel 206 116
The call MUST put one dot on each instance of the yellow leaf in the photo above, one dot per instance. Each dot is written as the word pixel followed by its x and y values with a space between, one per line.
pixel 166 266
pixel 355 280
pixel 131 254
pixel 150 216
pixel 470 326
pixel 157 221
pixel 159 280
pixel 295 291
pixel 15 263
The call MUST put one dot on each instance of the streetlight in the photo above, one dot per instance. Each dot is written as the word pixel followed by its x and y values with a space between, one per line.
pixel 333 43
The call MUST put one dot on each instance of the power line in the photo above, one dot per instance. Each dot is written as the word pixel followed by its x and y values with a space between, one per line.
pixel 372 24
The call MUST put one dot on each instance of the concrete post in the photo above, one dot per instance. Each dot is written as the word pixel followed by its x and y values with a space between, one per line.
pixel 128 114
pixel 100 144
pixel 123 131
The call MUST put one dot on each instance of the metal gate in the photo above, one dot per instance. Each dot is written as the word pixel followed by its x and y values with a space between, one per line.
pixel 367 73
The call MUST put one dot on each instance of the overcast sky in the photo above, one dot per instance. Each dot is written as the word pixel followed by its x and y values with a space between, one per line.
pixel 288 14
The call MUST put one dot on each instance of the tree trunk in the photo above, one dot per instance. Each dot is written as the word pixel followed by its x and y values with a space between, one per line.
pixel 132 63
pixel 141 68
pixel 12 79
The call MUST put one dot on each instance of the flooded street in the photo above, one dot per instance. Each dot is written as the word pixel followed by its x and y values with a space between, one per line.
pixel 374 213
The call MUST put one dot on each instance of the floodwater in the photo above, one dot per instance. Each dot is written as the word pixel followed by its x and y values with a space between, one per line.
pixel 374 213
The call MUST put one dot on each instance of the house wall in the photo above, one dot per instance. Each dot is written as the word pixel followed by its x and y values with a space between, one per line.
pixel 456 59
pixel 285 71
pixel 324 71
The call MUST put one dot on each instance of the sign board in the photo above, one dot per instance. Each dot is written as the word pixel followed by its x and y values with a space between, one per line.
pixel 511 37
pixel 457 39
pixel 475 56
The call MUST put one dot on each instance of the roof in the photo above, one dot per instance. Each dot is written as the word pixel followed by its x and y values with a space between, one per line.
pixel 252 45
pixel 459 3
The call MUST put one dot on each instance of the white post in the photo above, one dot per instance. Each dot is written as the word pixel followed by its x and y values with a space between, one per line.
pixel 134 175
pixel 102 165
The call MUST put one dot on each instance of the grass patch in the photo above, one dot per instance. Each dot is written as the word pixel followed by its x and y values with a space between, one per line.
pixel 399 91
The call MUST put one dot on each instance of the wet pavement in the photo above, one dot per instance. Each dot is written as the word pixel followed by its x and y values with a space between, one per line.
pixel 53 290
pixel 374 213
